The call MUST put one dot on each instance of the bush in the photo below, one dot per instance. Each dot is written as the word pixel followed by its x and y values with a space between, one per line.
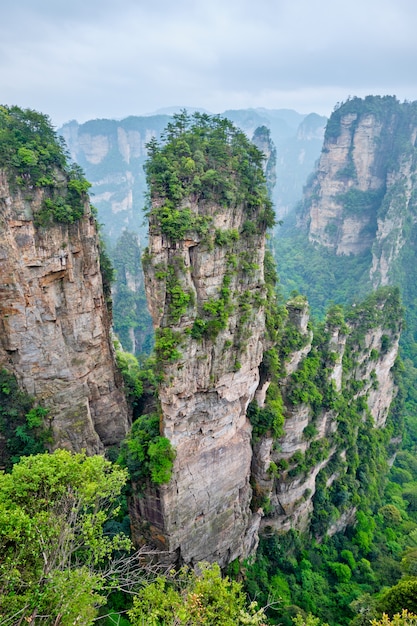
pixel 147 455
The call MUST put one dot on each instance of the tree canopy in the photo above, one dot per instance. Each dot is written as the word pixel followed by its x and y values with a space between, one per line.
pixel 33 155
pixel 55 554
pixel 207 158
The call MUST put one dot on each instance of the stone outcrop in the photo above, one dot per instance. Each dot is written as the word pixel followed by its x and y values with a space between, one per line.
pixel 218 351
pixel 362 195
pixel 285 472
pixel 204 512
pixel 353 150
pixel 112 154
pixel 263 141
pixel 55 327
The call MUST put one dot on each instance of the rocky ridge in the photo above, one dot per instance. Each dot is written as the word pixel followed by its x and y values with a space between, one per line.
pixel 355 361
pixel 224 395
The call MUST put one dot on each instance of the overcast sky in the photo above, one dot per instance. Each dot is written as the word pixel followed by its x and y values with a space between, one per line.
pixel 84 59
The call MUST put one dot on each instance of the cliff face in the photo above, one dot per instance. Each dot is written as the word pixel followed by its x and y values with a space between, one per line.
pixel 112 154
pixel 223 394
pixel 362 196
pixel 54 322
pixel 207 389
pixel 205 290
pixel 335 390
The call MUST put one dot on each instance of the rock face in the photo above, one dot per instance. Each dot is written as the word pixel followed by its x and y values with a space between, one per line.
pixel 219 350
pixel 112 154
pixel 362 196
pixel 204 511
pixel 354 150
pixel 206 295
pixel 55 327
pixel 263 141
pixel 316 449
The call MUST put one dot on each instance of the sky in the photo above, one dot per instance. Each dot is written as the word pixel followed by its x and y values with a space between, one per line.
pixel 88 59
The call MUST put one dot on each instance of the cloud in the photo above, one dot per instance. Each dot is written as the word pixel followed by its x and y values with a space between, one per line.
pixel 92 59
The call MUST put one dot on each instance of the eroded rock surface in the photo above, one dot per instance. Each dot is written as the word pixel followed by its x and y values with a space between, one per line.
pixel 316 447
pixel 55 327
pixel 205 511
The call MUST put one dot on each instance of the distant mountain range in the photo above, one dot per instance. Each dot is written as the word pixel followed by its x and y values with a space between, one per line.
pixel 112 154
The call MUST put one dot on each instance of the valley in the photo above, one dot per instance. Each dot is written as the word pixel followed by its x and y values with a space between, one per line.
pixel 264 425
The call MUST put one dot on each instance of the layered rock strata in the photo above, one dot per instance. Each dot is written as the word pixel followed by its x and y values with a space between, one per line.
pixel 55 327
pixel 286 471
pixel 362 196
pixel 204 512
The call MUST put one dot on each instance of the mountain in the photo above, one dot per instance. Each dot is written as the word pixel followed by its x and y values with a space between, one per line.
pixel 112 154
pixel 55 325
pixel 356 226
pixel 244 386
pixel 252 423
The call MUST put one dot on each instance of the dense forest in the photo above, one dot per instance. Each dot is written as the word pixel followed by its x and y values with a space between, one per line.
pixel 67 555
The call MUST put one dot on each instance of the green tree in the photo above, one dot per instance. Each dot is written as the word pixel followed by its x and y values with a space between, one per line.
pixel 402 596
pixel 190 599
pixel 207 158
pixel 405 618
pixel 56 558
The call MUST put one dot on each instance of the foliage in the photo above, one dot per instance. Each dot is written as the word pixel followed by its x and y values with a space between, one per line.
pixel 194 600
pixel 34 156
pixel 147 455
pixel 270 418
pixel 317 273
pixel 380 106
pixel 216 314
pixel 22 423
pixel 166 344
pixel 55 554
pixel 356 201
pixel 402 596
pixel 207 159
pixel 29 147
pixel 131 320
pixel 405 618
pixel 310 620
pixel 131 373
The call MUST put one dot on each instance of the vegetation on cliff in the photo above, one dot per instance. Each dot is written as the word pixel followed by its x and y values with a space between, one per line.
pixel 22 422
pixel 369 568
pixel 204 158
pixel 131 320
pixel 204 166
pixel 59 517
pixel 35 157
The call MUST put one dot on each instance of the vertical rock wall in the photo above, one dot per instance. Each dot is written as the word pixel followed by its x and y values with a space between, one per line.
pixel 204 512
pixel 349 161
pixel 54 324
pixel 286 472
pixel 362 196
